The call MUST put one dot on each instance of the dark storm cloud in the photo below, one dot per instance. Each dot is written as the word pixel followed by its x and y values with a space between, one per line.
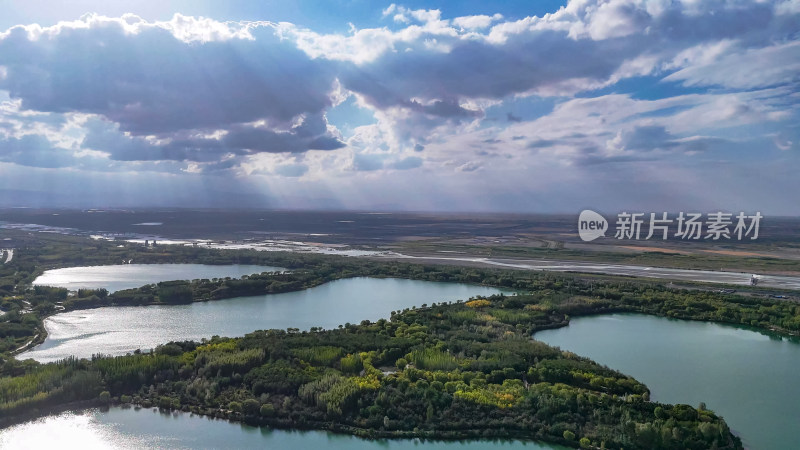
pixel 239 140
pixel 479 69
pixel 151 82
pixel 648 138
pixel 298 139
pixel 655 137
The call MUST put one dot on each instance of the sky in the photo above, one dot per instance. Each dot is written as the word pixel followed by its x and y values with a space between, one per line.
pixel 518 106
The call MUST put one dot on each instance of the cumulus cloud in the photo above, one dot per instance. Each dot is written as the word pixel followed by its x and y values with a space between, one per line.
pixel 444 70
pixel 476 22
pixel 648 138
pixel 184 90
pixel 150 80
pixel 625 82
pixel 585 43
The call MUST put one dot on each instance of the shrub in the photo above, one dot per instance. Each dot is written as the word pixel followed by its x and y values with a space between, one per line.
pixel 267 410
pixel 480 303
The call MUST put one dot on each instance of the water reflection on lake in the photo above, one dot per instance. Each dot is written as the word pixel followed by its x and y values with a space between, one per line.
pixel 127 276
pixel 118 330
pixel 147 428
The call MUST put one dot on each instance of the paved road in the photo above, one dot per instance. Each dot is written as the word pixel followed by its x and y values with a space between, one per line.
pixel 704 276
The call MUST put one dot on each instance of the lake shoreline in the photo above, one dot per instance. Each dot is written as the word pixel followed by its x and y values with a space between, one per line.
pixel 544 306
pixel 345 430
pixel 39 413
pixel 273 302
pixel 43 332
pixel 552 299
pixel 694 362
pixel 361 435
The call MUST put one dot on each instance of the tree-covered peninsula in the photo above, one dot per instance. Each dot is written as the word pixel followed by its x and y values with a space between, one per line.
pixel 442 371
pixel 466 369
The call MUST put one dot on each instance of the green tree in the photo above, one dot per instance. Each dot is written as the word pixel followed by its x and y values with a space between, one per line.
pixel 267 410
pixel 251 407
pixel 165 402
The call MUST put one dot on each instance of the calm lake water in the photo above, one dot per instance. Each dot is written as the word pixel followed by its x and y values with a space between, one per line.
pixel 749 378
pixel 147 428
pixel 119 330
pixel 127 276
